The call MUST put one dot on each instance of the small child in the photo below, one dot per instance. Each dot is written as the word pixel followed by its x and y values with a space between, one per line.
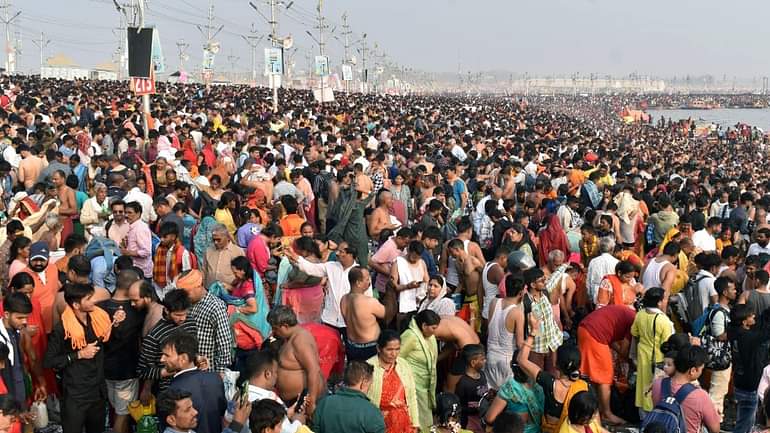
pixel 472 386
pixel 583 415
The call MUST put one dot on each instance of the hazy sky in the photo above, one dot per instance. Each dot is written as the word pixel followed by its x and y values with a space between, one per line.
pixel 660 37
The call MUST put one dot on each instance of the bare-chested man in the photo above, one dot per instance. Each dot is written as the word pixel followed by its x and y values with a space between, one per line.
pixel 361 313
pixel 456 334
pixel 30 167
pixel 68 207
pixel 379 219
pixel 466 261
pixel 298 364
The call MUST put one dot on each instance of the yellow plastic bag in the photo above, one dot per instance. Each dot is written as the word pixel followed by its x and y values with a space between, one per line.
pixel 137 410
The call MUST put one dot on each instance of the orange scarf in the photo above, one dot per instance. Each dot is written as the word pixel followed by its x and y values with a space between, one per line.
pixel 76 333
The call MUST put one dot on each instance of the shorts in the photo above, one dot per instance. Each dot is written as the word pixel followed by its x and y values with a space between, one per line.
pixel 122 392
pixel 360 351
pixel 458 365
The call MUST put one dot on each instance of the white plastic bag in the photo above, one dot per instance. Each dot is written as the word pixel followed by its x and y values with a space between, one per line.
pixel 40 414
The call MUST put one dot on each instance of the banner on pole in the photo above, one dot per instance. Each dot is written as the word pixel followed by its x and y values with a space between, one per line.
pixel 347 72
pixel 321 66
pixel 157 52
pixel 273 61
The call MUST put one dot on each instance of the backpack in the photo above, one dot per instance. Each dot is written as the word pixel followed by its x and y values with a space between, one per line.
pixel 720 354
pixel 102 246
pixel 668 412
pixel 694 307
pixel 699 324
pixel 106 247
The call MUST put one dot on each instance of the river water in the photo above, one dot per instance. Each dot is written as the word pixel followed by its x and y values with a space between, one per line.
pixel 722 116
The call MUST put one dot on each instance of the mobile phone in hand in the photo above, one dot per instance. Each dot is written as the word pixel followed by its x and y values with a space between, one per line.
pixel 300 401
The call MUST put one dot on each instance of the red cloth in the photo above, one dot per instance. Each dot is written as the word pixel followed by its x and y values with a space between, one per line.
pixel 189 152
pixel 307 302
pixel 209 157
pixel 331 352
pixel 552 238
pixel 393 404
pixel 610 324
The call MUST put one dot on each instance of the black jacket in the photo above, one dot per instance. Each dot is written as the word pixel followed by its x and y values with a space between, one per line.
pixel 208 397
pixel 83 379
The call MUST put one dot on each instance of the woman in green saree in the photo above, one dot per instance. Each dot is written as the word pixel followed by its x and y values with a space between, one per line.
pixel 419 349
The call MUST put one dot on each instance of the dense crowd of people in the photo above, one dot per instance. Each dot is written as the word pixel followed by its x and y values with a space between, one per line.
pixel 375 264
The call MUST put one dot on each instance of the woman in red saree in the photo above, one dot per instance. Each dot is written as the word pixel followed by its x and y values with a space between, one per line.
pixel 393 389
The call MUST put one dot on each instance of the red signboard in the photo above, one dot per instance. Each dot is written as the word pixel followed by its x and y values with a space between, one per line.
pixel 142 86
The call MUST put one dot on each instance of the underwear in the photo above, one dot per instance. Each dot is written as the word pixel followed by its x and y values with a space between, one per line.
pixel 360 351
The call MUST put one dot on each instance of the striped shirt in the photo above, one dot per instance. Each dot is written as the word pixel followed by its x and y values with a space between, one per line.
pixel 149 357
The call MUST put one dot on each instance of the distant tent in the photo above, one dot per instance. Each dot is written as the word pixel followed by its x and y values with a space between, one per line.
pixel 62 61
pixel 106 66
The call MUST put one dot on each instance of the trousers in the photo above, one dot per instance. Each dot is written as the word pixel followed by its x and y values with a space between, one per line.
pixel 77 415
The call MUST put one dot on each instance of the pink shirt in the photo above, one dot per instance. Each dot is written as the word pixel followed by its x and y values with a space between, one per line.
pixel 697 408
pixel 386 255
pixel 139 240
pixel 258 254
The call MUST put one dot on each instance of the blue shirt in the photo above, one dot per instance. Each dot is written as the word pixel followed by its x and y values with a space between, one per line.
pixel 100 275
pixel 458 188
pixel 430 262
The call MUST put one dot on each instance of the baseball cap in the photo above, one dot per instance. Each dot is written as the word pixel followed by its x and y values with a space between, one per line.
pixel 38 250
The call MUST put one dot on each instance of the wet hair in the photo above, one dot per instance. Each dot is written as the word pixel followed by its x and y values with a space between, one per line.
pixel 183 343
pixel 256 364
pixel 386 336
pixel 265 414
pixel 355 275
pixel 568 360
pixel 652 297
pixel 624 267
pixel 17 303
pixel 357 372
pixel 582 407
pixel 177 300
pixel 514 284
pixel 75 292
pixel 74 240
pixel 690 357
pixel 427 317
pixel 80 265
pixel 147 291
pixel 471 351
pixel 282 315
